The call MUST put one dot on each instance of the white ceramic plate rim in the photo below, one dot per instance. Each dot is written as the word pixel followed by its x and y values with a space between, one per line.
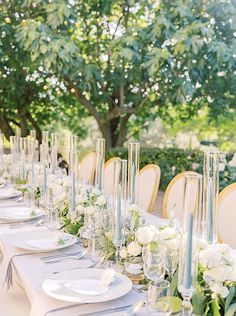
pixel 23 245
pixel 15 193
pixel 12 219
pixel 79 298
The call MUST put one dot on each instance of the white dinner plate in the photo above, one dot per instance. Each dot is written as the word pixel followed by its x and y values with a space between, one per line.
pixel 13 214
pixel 45 244
pixel 3 183
pixel 9 193
pixel 56 286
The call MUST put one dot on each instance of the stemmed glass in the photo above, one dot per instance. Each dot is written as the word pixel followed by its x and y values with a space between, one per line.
pixel 52 215
pixel 153 264
pixel 158 288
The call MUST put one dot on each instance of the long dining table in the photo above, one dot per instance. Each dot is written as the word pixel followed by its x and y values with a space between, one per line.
pixel 26 296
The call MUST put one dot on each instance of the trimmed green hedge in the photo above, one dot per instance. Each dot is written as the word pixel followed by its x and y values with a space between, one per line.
pixel 173 161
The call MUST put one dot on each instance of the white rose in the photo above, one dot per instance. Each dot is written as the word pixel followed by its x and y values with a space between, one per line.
pixel 108 235
pixel 80 209
pixel 74 216
pixel 233 274
pixel 82 199
pixel 83 190
pixel 95 191
pixel 220 274
pixel 123 253
pixel 168 233
pixel 145 234
pixel 223 248
pixel 172 244
pixel 219 289
pixel 66 182
pixel 101 200
pixel 134 249
pixel 90 210
pixel 202 244
pixel 210 258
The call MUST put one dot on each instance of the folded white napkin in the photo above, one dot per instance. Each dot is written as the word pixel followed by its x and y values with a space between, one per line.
pixel 92 286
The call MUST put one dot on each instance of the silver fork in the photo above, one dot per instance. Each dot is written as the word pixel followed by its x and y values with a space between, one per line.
pixel 78 257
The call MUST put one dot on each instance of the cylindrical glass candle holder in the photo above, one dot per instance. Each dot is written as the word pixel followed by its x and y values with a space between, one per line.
pixel 45 138
pixel 133 169
pixel 33 134
pixel 44 168
pixel 119 204
pixel 73 173
pixel 73 142
pixel 188 255
pixel 54 151
pixel 23 153
pixel 210 195
pixel 100 160
pixel 31 147
pixel 1 147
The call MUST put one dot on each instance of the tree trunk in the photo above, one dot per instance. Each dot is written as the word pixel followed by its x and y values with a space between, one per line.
pixel 35 126
pixel 5 126
pixel 114 132
pixel 23 122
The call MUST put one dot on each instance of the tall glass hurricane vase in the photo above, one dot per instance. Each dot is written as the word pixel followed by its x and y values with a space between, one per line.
pixel 44 170
pixel 100 160
pixel 188 256
pixel 54 150
pixel 133 176
pixel 119 204
pixel 23 154
pixel 73 142
pixel 73 172
pixel 31 146
pixel 1 147
pixel 210 194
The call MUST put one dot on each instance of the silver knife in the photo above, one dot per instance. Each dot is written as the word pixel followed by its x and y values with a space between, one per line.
pixel 107 311
pixel 60 255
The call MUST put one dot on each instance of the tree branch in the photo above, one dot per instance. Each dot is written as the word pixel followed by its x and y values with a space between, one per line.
pixel 116 112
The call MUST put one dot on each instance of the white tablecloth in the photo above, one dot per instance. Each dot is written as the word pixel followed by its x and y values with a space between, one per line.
pixel 27 297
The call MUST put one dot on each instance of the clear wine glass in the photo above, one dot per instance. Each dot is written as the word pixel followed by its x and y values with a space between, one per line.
pixel 52 215
pixel 153 265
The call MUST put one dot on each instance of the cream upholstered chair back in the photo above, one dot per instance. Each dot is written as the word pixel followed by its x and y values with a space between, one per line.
pixel 149 179
pixel 174 196
pixel 226 215
pixel 109 175
pixel 87 168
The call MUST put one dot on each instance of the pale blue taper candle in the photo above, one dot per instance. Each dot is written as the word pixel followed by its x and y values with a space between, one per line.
pixel 100 163
pixel 44 178
pixel 32 173
pixel 133 191
pixel 189 251
pixel 73 192
pixel 118 216
pixel 210 230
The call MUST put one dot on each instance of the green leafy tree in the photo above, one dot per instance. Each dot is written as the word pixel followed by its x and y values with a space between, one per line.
pixel 30 96
pixel 128 61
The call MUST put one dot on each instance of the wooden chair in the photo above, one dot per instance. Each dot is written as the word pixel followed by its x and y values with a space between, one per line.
pixel 226 215
pixel 87 168
pixel 174 195
pixel 149 179
pixel 109 175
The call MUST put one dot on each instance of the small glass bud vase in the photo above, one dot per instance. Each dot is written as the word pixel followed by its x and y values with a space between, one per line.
pixel 133 269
